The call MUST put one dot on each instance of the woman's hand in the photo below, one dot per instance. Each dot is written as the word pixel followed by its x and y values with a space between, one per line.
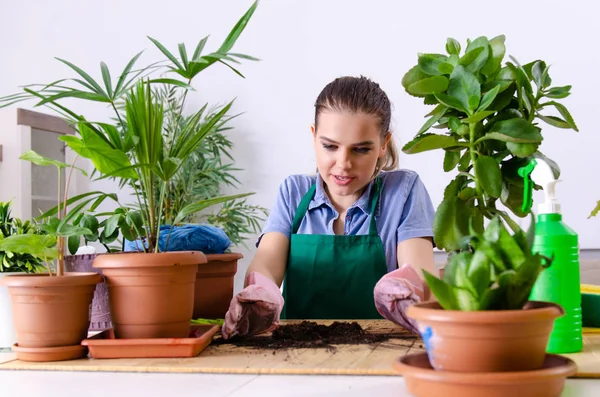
pixel 256 309
pixel 395 292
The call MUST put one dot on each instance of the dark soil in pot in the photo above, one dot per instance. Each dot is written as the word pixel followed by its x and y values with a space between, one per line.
pixel 308 334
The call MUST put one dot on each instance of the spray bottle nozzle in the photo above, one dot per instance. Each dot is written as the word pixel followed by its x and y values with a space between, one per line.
pixel 525 173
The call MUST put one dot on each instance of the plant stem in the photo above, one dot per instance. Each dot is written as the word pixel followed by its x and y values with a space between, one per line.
pixel 118 115
pixel 163 188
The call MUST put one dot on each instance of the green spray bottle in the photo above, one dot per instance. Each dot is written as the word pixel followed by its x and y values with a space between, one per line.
pixel 560 282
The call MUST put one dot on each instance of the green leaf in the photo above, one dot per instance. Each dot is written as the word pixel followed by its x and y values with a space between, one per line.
pixel 445 226
pixel 436 114
pixel 451 159
pixel 446 67
pixel 470 56
pixel 483 43
pixel 443 291
pixel 237 29
pixel 199 48
pixel 563 112
pixel 125 73
pixel 464 162
pixel 515 130
pixel 414 75
pixel 595 210
pixel 428 85
pixel 487 171
pixel 522 150
pixel 40 246
pixel 558 92
pixel 97 89
pixel 554 121
pixel 183 54
pixel 70 230
pixel 464 85
pixel 477 117
pixel 512 198
pixel 452 46
pixel 538 73
pixel 473 102
pixel 425 142
pixel 112 224
pixel 73 244
pixel 166 53
pixel 430 63
pixel 175 82
pixel 200 205
pixel 494 61
pixel 40 160
pixel 488 98
pixel 106 78
pixel 449 101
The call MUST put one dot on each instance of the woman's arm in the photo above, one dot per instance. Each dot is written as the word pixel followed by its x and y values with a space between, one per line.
pixel 271 257
pixel 418 252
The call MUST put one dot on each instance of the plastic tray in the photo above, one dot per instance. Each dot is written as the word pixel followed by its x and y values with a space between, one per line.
pixel 104 344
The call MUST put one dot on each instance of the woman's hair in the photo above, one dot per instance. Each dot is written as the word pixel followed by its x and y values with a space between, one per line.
pixel 360 95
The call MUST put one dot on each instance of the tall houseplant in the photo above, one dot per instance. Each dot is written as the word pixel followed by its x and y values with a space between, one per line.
pixel 488 112
pixel 135 151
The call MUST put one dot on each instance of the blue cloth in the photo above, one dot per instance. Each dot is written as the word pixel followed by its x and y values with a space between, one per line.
pixel 205 238
pixel 404 210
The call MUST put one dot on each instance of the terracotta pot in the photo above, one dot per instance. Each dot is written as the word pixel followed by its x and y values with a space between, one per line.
pixel 151 295
pixel 214 285
pixel 486 341
pixel 51 311
pixel 100 316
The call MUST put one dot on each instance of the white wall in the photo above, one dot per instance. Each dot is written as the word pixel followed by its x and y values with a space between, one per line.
pixel 303 45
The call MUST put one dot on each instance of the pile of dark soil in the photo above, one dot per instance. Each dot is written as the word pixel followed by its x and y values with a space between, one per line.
pixel 309 334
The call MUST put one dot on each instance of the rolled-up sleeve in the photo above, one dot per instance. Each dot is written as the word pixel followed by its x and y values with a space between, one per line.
pixel 280 216
pixel 417 214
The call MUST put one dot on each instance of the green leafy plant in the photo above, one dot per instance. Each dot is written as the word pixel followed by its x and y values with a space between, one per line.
pixel 137 149
pixel 488 112
pixel 17 261
pixel 57 224
pixel 494 270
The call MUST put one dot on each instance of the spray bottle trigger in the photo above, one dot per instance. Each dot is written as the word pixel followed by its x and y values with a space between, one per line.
pixel 525 173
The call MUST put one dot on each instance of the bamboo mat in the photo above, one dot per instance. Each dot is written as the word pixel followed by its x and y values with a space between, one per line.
pixel 374 359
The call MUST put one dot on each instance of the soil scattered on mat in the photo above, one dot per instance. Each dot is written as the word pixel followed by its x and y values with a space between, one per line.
pixel 310 334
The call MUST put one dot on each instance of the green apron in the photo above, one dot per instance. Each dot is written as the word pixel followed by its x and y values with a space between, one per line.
pixel 333 276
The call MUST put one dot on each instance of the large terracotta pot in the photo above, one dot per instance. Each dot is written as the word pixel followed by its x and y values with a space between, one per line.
pixel 151 295
pixel 486 341
pixel 100 313
pixel 51 311
pixel 214 285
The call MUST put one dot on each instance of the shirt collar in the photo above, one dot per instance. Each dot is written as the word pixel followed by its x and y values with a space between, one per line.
pixel 363 202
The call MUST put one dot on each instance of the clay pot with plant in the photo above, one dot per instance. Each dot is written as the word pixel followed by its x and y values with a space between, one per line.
pixel 488 112
pixel 151 292
pixel 51 310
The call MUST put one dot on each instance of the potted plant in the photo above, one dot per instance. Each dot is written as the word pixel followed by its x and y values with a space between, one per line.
pixel 51 309
pixel 489 112
pixel 150 292
pixel 12 263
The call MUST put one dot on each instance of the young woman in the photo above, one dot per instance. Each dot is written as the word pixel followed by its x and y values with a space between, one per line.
pixel 350 242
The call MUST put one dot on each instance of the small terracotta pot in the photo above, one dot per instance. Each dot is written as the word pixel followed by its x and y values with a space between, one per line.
pixel 51 311
pixel 100 315
pixel 486 341
pixel 151 295
pixel 214 285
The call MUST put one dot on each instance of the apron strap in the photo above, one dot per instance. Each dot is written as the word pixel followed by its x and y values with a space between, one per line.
pixel 374 200
pixel 305 202
pixel 302 208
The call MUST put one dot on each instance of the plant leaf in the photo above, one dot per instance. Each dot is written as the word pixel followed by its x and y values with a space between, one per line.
pixel 436 114
pixel 430 63
pixel 487 171
pixel 425 142
pixel 451 158
pixel 449 101
pixel 481 59
pixel 443 291
pixel 565 113
pixel 462 86
pixel 514 130
pixel 107 79
pixel 488 98
pixel 428 85
pixel 86 77
pixel 558 92
pixel 202 204
pixel 237 30
pixel 452 46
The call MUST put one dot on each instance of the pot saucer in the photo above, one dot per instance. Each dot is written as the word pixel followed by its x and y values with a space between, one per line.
pixel 43 354
pixel 423 381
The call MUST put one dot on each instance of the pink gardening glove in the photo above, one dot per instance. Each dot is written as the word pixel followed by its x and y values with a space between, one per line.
pixel 256 309
pixel 395 292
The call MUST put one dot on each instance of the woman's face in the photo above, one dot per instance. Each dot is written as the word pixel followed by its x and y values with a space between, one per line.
pixel 347 147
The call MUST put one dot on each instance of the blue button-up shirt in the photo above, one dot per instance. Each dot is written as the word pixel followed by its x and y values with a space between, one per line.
pixel 404 210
